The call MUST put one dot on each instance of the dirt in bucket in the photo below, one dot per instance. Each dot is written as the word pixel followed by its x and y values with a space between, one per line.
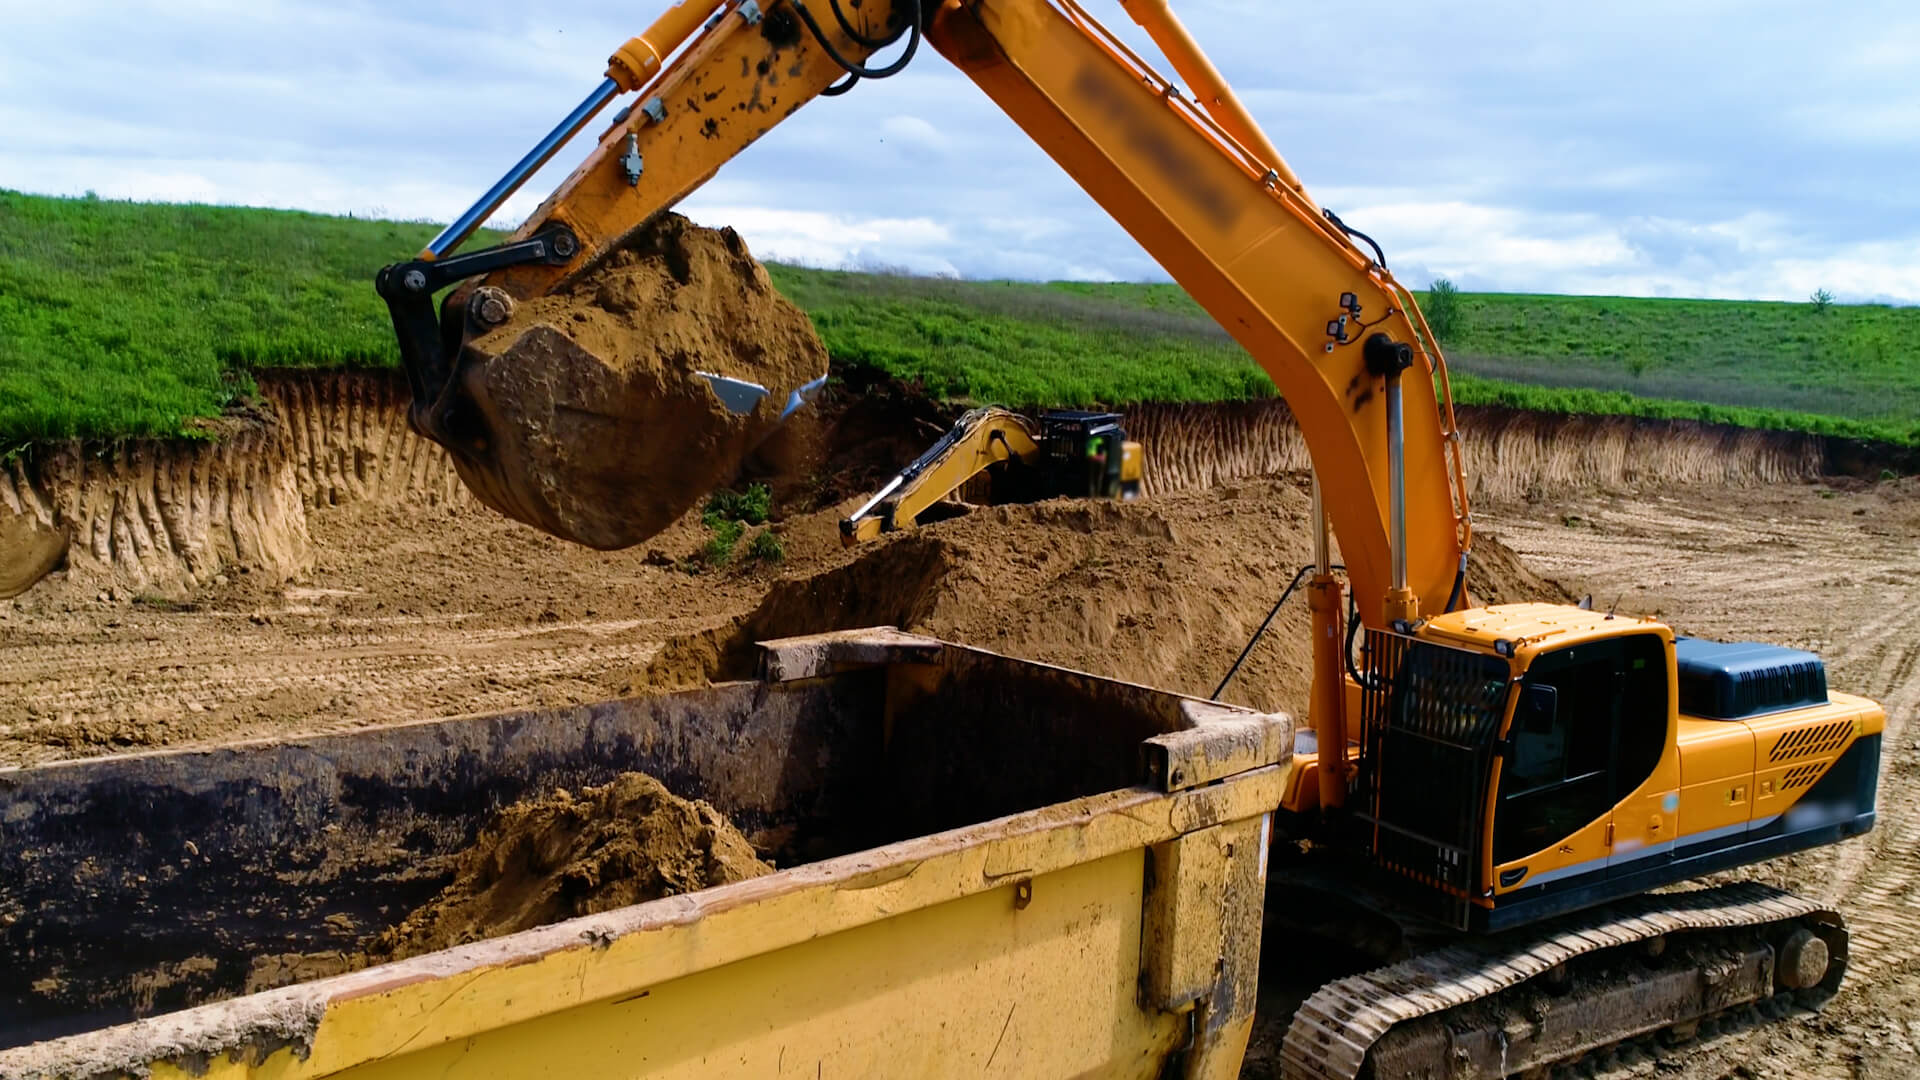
pixel 586 414
pixel 559 856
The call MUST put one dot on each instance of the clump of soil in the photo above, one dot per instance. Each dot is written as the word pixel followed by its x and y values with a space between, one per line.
pixel 560 856
pixel 29 548
pixel 584 415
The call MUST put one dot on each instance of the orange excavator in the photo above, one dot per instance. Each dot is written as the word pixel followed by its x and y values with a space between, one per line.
pixel 1493 801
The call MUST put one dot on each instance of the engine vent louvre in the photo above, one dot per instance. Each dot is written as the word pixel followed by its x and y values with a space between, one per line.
pixel 1811 742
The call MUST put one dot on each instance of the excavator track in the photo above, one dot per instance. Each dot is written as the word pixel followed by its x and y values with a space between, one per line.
pixel 1523 1003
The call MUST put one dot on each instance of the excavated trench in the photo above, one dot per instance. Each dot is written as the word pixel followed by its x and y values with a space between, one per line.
pixel 163 518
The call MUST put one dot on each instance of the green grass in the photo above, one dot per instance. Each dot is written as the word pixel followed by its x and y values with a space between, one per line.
pixel 1021 343
pixel 1861 362
pixel 1849 370
pixel 134 319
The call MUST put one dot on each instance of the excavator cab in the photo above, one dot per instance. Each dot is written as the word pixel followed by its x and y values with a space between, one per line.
pixel 1087 454
pixel 1525 761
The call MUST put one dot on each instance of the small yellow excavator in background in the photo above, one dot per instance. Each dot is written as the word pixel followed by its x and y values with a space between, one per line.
pixel 1066 452
pixel 1494 796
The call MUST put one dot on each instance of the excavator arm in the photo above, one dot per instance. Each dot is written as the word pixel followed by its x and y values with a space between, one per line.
pixel 1191 180
pixel 1062 453
pixel 980 440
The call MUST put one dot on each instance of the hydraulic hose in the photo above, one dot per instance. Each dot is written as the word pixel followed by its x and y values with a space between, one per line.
pixel 846 26
pixel 858 70
pixel 1268 621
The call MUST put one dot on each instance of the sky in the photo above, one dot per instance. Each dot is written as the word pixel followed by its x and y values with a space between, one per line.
pixel 1715 148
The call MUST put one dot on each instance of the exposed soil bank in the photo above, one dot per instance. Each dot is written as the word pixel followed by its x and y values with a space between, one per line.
pixel 166 518
pixel 1509 453
pixel 163 518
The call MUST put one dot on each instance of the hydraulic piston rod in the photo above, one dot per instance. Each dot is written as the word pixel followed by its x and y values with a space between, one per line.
pixel 1387 359
pixel 629 68
pixel 1327 706
pixel 477 214
pixel 1397 482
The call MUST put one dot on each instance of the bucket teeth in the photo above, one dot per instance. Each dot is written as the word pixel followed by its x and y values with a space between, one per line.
pixel 738 395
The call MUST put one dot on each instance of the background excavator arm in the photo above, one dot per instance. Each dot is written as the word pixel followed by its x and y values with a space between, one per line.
pixel 979 440
pixel 1192 182
pixel 1063 453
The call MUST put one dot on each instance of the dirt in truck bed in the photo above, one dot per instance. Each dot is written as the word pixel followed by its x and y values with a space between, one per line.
pixel 560 856
pixel 590 419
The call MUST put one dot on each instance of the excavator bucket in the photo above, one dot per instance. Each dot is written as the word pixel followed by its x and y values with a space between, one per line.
pixel 578 445
pixel 604 411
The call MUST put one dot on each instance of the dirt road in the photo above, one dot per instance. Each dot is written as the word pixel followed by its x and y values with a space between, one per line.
pixel 419 611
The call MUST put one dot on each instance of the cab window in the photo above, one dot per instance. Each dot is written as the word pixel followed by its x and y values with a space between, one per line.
pixel 1589 726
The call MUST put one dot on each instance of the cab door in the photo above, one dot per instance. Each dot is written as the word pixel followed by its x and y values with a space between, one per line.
pixel 1646 757
pixel 1587 768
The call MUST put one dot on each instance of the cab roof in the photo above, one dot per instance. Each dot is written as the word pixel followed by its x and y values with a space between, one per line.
pixel 1530 625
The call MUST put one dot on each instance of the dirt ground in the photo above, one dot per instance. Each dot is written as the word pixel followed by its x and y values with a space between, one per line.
pixel 416 611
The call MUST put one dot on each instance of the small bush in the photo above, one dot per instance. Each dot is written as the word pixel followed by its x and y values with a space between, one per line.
pixel 750 506
pixel 1443 310
pixel 766 547
pixel 718 550
pixel 1821 300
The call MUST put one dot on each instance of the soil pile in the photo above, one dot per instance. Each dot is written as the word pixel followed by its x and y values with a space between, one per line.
pixel 1495 575
pixel 561 856
pixel 1165 591
pixel 584 416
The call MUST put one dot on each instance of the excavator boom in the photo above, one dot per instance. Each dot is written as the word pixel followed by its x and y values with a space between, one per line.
pixel 1211 201
pixel 978 441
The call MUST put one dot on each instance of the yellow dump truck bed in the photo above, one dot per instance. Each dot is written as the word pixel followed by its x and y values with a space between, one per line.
pixel 1020 870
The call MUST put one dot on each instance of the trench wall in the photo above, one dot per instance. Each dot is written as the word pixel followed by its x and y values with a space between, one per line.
pixel 1509 453
pixel 164 517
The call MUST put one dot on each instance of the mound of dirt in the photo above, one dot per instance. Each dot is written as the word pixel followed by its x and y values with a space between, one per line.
pixel 584 415
pixel 1495 575
pixel 561 856
pixel 1164 592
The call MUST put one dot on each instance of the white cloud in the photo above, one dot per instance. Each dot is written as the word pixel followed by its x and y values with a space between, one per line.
pixel 813 238
pixel 915 132
pixel 1719 147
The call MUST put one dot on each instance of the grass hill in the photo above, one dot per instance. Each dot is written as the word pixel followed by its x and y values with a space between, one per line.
pixel 133 319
